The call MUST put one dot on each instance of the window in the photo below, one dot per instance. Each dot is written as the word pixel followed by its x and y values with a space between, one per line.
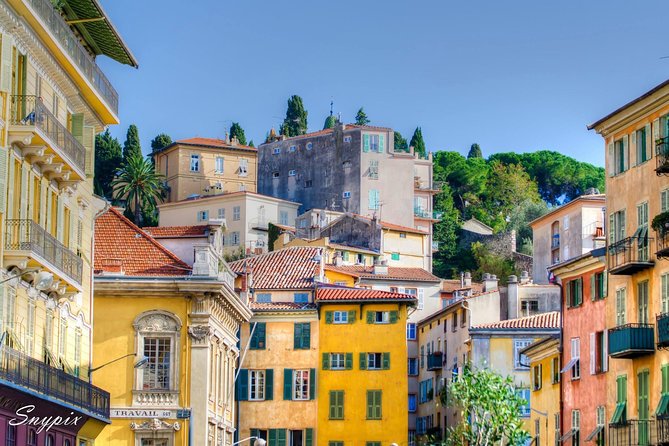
pixel 620 156
pixel 301 298
pixel 555 370
pixel 664 200
pixel 203 216
pixel 620 412
pixel 236 213
pixel 32 438
pixel 529 307
pixel 599 285
pixel 520 361
pixel 525 395
pixel 283 217
pixel 395 256
pixel 10 440
pixel 642 302
pixel 374 361
pixel 302 336
pixel 337 361
pixel 422 355
pixel 264 297
pixel 411 331
pixel 664 293
pixel 617 226
pixel 292 149
pixel 380 317
pixel 340 317
pixel 536 377
pixel 403 235
pixel 219 164
pixel 412 402
pixel 621 301
pixel 310 145
pixel 575 358
pixel 601 425
pixel 640 139
pixel 641 233
pixel 301 385
pixel 347 139
pixel 243 167
pixel 275 174
pixel 221 213
pixel 454 321
pixel 373 169
pixel 258 337
pixel 412 366
pixel 50 440
pixel 292 172
pixel 308 183
pixel 276 150
pixel 234 238
pixel 157 371
pixel 195 163
pixel 336 405
pixel 426 391
pixel 346 194
pixel 576 427
pixel 256 385
pixel 374 404
pixel 574 290
pixel 374 200
pixel 598 354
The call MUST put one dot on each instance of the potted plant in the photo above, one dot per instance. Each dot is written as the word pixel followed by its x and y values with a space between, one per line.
pixel 661 223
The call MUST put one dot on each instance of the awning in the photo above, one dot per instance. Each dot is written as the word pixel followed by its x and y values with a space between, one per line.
pixel 617 417
pixel 568 435
pixel 97 30
pixel 569 365
pixel 594 433
pixel 662 406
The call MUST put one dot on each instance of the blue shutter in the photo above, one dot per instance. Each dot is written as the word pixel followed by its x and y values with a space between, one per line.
pixel 269 384
pixel 365 143
pixel 288 384
pixel 382 143
pixel 243 385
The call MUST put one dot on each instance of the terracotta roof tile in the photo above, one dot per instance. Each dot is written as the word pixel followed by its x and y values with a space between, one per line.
pixel 272 306
pixel 121 245
pixel 176 231
pixel 451 285
pixel 356 294
pixel 286 269
pixel 394 273
pixel 542 320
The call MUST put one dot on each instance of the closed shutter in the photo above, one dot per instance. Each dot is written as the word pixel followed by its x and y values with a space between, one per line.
pixel 89 144
pixel 365 143
pixel 349 361
pixel 377 404
pixel 77 126
pixel 59 218
pixel 610 160
pixel 243 385
pixel 309 437
pixel 30 197
pixel 333 405
pixel 3 180
pixel 10 186
pixel 287 384
pixel 605 351
pixel 593 286
pixel 312 384
pixel 269 384
pixel 44 198
pixel 612 229
pixel 328 317
pixel 626 151
pixel 325 361
pixel 363 361
pixel 351 316
pixel 24 191
pixel 386 361
pixel 297 336
pixel 593 353
pixel 6 63
pixel 370 317
pixel 567 293
pixel 49 209
pixel 382 143
pixel 272 437
pixel 281 437
pixel 633 146
pixel 394 316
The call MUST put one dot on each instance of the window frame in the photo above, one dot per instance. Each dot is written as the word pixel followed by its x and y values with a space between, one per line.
pixel 343 317
pixel 258 373
pixel 301 384
pixel 333 361
pixel 195 160
pixel 158 324
pixel 411 331
pixel 219 169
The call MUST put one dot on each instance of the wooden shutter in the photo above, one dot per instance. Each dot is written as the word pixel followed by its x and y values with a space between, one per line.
pixel 89 143
pixel 351 316
pixel 605 353
pixel 377 404
pixel 11 169
pixel 593 286
pixel 287 384
pixel 328 317
pixel 626 151
pixel 325 361
pixel 370 317
pixel 593 353
pixel 605 281
pixel 281 437
pixel 649 144
pixel 363 361
pixel 77 126
pixel 44 197
pixel 6 63
pixel 394 316
pixel 297 336
pixel 349 361
pixel 24 191
pixel 365 143
pixel 3 180
pixel 382 143
pixel 312 384
pixel 272 437
pixel 243 385
pixel 60 208
pixel 632 149
pixel 333 404
pixel 309 437
pixel 567 293
pixel 386 361
pixel 370 404
pixel 269 384
pixel 610 160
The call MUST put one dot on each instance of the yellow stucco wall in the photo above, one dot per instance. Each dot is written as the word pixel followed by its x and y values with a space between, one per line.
pixel 355 338
pixel 545 400
pixel 410 247
pixel 340 278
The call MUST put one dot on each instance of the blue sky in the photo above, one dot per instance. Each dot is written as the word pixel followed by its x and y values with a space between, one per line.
pixel 512 76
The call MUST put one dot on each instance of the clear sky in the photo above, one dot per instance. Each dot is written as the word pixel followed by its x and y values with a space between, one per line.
pixel 511 75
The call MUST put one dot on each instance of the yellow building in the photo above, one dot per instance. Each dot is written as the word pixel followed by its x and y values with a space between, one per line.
pixel 362 381
pixel 206 166
pixel 53 100
pixel 498 346
pixel 636 139
pixel 177 325
pixel 544 359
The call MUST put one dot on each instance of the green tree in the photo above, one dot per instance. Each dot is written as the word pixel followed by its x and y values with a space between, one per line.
pixel 138 184
pixel 236 131
pixel 489 407
pixel 520 219
pixel 401 144
pixel 108 156
pixel 475 151
pixel 251 144
pixel 509 186
pixel 131 146
pixel 160 142
pixel 489 262
pixel 418 144
pixel 295 123
pixel 445 232
pixel 361 117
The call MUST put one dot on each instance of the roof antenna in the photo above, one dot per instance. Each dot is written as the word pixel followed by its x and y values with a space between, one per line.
pixel 331 105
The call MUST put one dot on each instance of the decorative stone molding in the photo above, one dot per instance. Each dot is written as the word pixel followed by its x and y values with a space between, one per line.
pixel 156 321
pixel 199 333
pixel 155 425
pixel 153 398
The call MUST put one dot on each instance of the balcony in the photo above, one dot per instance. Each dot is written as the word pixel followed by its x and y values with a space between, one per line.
pixel 630 255
pixel 631 340
pixel 21 370
pixel 27 242
pixel 45 140
pixel 662 244
pixel 434 361
pixel 639 433
pixel 419 212
pixel 663 331
pixel 69 51
pixel 662 156
pixel 555 241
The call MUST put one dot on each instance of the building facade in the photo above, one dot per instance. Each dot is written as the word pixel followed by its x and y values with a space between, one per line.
pixel 206 166
pixel 637 193
pixel 180 323
pixel 568 231
pixel 53 100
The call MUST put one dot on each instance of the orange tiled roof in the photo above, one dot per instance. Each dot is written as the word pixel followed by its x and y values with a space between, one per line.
pixel 287 269
pixel 356 294
pixel 176 231
pixel 451 285
pixel 542 320
pixel 394 273
pixel 273 306
pixel 121 243
pixel 214 142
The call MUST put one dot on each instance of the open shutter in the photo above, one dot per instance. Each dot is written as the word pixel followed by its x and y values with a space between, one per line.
pixel 77 126
pixel 243 385
pixel 363 361
pixel 365 143
pixel 3 180
pixel 567 294
pixel 59 218
pixel 386 361
pixel 272 437
pixel 593 353
pixel 649 145
pixel 656 130
pixel 351 316
pixel 255 433
pixel 6 63
pixel 610 160
pixel 287 384
pixel 632 149
pixel 325 362
pixel 394 316
pixel 269 384
pixel 309 437
pixel 89 144
pixel 370 317
pixel 605 353
pixel 312 384
pixel 328 317
pixel 382 143
pixel 626 151
pixel 593 286
pixel 24 191
pixel 10 186
pixel 605 279
pixel 349 361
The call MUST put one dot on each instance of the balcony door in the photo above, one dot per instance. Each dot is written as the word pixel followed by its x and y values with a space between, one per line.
pixel 642 232
pixel 642 302
pixel 643 408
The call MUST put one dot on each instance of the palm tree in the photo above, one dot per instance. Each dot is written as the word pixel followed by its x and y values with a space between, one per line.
pixel 137 183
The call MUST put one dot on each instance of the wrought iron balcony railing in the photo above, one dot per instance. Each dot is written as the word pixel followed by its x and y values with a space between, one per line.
pixel 630 255
pixel 435 361
pixel 662 244
pixel 31 111
pixel 662 156
pixel 631 340
pixel 29 373
pixel 663 330
pixel 55 23
pixel 26 235
pixel 638 433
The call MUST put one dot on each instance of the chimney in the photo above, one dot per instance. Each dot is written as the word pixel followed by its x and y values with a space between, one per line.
pixel 381 268
pixel 467 281
pixel 512 298
pixel 206 262
pixel 112 267
pixel 524 277
pixel 489 282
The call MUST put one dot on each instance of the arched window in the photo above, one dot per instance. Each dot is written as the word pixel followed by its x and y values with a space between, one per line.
pixel 49 441
pixel 157 334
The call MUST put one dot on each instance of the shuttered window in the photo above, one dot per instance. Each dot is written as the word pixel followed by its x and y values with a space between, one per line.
pixel 302 336
pixel 258 338
pixel 336 405
pixel 374 404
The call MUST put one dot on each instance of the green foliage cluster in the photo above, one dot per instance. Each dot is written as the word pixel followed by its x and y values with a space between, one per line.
pixel 138 184
pixel 361 117
pixel 418 143
pixel 236 131
pixel 295 122
pixel 401 144
pixel 132 147
pixel 108 157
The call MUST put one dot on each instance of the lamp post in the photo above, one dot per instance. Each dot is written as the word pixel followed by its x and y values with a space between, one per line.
pixel 43 280
pixel 137 365
pixel 258 441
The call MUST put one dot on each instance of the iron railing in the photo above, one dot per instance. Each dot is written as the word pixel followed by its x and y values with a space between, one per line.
pixel 662 244
pixel 62 32
pixel 30 110
pixel 630 340
pixel 662 155
pixel 434 361
pixel 637 433
pixel 26 235
pixel 631 253
pixel 663 330
pixel 20 369
pixel 424 213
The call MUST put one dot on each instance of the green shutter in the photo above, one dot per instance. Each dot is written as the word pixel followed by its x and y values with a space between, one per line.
pixel 326 361
pixel 309 440
pixel 281 437
pixel 89 156
pixel 593 286
pixel 365 143
pixel 340 404
pixel 6 63
pixel 297 336
pixel 306 335
pixel 349 361
pixel 333 403
pixel 328 317
pixel 386 361
pixel 3 179
pixel 255 433
pixel 258 338
pixel 312 384
pixel 345 256
pixel 77 122
pixel 665 378
pixel 394 316
pixel 287 384
pixel 243 385
pixel 382 143
pixel 370 405
pixel 351 316
pixel 363 361
pixel 269 384
pixel 272 437
pixel 377 404
pixel 370 317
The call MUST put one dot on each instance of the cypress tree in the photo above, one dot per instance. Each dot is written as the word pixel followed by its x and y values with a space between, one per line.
pixel 236 131
pixel 361 117
pixel 418 144
pixel 295 123
pixel 131 146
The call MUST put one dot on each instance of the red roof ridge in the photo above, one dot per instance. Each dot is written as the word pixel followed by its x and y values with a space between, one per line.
pixel 542 320
pixel 333 293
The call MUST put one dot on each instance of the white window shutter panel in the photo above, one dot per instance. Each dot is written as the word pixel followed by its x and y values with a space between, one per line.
pixel 49 210
pixel 610 160
pixel 632 149
pixel 59 218
pixel 3 180
pixel 10 186
pixel 24 191
pixel 593 353
pixel 605 354
pixel 649 142
pixel 626 151
pixel 43 199
pixel 6 63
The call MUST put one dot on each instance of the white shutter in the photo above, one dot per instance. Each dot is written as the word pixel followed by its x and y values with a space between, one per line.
pixel 649 142
pixel 610 160
pixel 626 151
pixel 656 130
pixel 605 353
pixel 88 140
pixel 6 63
pixel 44 196
pixel 3 180
pixel 632 149
pixel 421 298
pixel 59 218
pixel 593 353
pixel 24 191
pixel 10 186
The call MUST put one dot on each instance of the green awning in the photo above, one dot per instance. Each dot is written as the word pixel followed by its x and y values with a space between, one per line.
pixel 618 417
pixel 662 406
pixel 88 17
pixel 594 433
